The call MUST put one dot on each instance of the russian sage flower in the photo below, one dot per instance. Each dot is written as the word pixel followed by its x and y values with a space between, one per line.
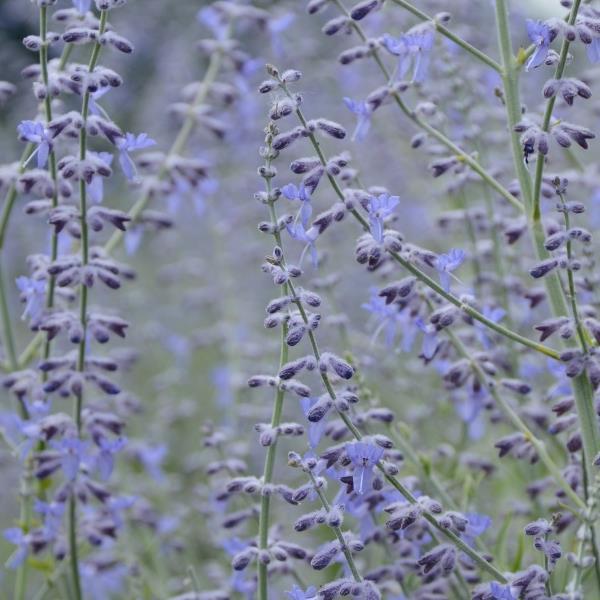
pixel 83 6
pixel 388 315
pixel 413 47
pixel 364 457
pixel 130 143
pixel 379 208
pixel 446 263
pixel 309 236
pixel 302 195
pixel 36 133
pixel 297 593
pixel 541 35
pixel 363 112
pixel 33 293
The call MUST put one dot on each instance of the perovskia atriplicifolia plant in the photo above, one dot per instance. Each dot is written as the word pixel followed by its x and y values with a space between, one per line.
pixel 363 335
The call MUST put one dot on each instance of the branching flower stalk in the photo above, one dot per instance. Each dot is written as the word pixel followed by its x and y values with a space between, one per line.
pixel 83 304
pixel 582 388
pixel 435 133
pixel 267 172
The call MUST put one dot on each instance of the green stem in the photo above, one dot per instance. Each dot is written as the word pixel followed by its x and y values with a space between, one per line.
pixel 435 133
pixel 484 58
pixel 514 418
pixel 338 532
pixel 582 387
pixel 83 302
pixel 265 502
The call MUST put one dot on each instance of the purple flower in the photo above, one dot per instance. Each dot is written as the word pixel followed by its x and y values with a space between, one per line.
pixel 379 208
pixel 36 133
pixel 213 19
pixel 298 232
pixel 94 108
pixel 593 51
pixel 315 430
pixel 364 457
pixel 297 594
pixel 105 459
pixel 130 143
pixel 15 536
pixel 501 592
pixel 388 315
pixel 430 338
pixel 541 35
pixel 33 293
pixel 83 6
pixel 470 410
pixel 363 112
pixel 415 47
pixel 53 513
pixel 446 263
pixel 96 187
pixel 72 452
pixel 302 195
pixel 276 27
pixel 102 581
pixel 133 239
pixel 493 314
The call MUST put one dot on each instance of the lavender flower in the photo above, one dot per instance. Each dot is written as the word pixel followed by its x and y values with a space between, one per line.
pixel 415 46
pixel 379 208
pixel 130 143
pixel 33 293
pixel 300 194
pixel 446 263
pixel 363 112
pixel 541 35
pixel 298 594
pixel 36 133
pixel 308 236
pixel 364 457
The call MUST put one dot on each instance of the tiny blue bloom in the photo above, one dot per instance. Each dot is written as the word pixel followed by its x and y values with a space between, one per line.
pixel 302 195
pixel 36 133
pixel 541 35
pixel 446 263
pixel 298 232
pixel 379 208
pixel 130 143
pixel 363 112
pixel 33 293
pixel 364 457
pixel 415 46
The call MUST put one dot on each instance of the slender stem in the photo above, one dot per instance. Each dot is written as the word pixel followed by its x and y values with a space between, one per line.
pixel 9 341
pixel 83 302
pixel 582 387
pixel 438 135
pixel 265 503
pixel 560 69
pixel 338 532
pixel 482 56
pixel 516 420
